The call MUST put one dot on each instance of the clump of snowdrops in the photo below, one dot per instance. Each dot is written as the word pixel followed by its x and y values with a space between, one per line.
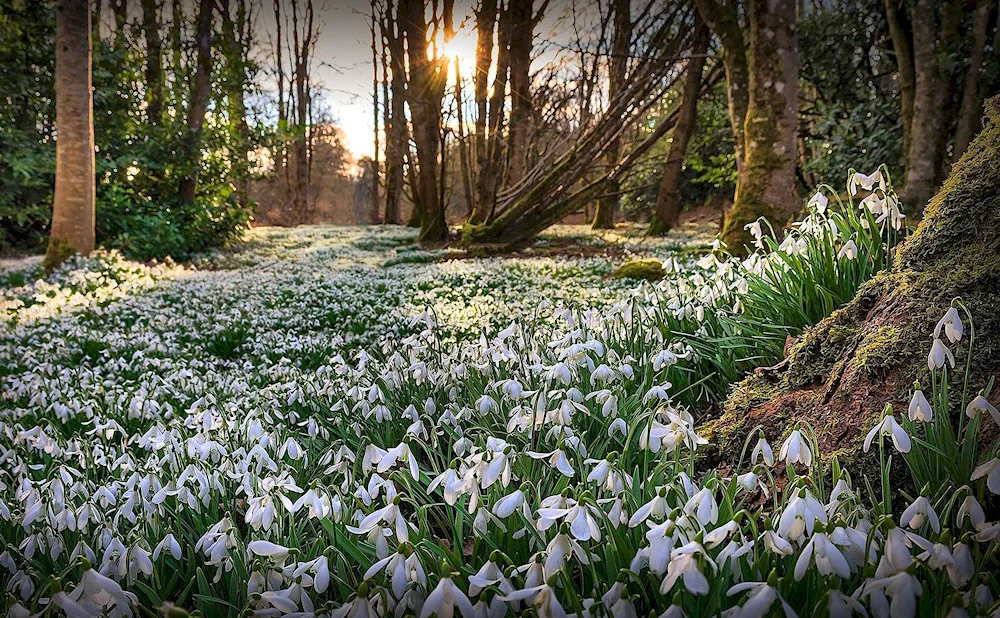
pixel 218 452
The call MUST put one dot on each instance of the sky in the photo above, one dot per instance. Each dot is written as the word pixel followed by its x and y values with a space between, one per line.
pixel 343 63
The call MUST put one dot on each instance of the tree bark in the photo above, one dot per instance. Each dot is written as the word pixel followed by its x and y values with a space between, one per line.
pixel 425 91
pixel 238 45
pixel 842 372
pixel 521 38
pixel 902 44
pixel 490 158
pixel 376 201
pixel 397 133
pixel 723 18
pixel 486 20
pixel 73 206
pixel 154 62
pixel 970 108
pixel 931 87
pixel 199 101
pixel 607 206
pixel 766 186
pixel 668 206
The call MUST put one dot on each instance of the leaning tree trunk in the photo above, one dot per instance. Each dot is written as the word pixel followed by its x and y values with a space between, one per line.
pixel 668 203
pixel 73 208
pixel 766 186
pixel 842 372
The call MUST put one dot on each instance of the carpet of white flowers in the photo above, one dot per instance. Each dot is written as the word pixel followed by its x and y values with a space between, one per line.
pixel 328 422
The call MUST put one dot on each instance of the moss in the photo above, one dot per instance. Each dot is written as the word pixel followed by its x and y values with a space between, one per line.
pixel 58 252
pixel 649 270
pixel 878 351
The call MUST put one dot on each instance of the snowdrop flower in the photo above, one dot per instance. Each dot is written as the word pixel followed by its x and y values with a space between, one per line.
pixel 762 597
pixel 849 250
pixel 889 427
pixel 170 544
pixel 938 355
pixel 920 409
pixel 757 232
pixel 443 600
pixel 267 549
pixel 762 450
pixel 865 182
pixel 919 511
pixel 991 470
pixel 980 404
pixel 840 605
pixel 796 449
pixel 952 325
pixel 818 202
pixel 557 459
pixel 903 588
pixel 800 516
pixel 542 598
pixel 509 504
pixel 684 565
pixel 970 508
pixel 828 558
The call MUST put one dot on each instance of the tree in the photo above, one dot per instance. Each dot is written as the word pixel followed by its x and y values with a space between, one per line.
pixel 766 183
pixel 425 91
pixel 604 218
pixel 930 51
pixel 668 206
pixel 73 207
pixel 199 101
pixel 838 376
pixel 154 61
pixel 397 132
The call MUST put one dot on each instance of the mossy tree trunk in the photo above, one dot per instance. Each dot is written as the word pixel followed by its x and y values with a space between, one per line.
pixel 841 373
pixel 73 208
pixel 766 185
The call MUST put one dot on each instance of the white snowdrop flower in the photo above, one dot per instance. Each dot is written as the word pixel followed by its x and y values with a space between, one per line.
pixel 890 428
pixel 865 182
pixel 903 588
pixel 980 404
pixel 556 459
pixel 990 470
pixel 762 597
pixel 796 449
pixel 970 508
pixel 703 506
pixel 818 202
pixel 840 605
pixel 776 545
pixel 762 450
pixel 825 555
pixel 800 516
pixel 938 355
pixel 486 405
pixel 920 409
pixel 267 549
pixel 664 358
pixel 542 598
pixel 952 325
pixel 509 504
pixel 849 251
pixel 920 511
pixel 684 565
pixel 445 599
pixel 897 548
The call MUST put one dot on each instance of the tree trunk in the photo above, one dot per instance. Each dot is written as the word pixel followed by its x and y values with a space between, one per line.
pixel 73 206
pixel 931 88
pixel 842 372
pixel 490 158
pixel 397 135
pixel 376 201
pixel 604 218
pixel 766 186
pixel 426 89
pixel 154 62
pixel 972 99
pixel 668 206
pixel 723 18
pixel 486 20
pixel 902 45
pixel 238 47
pixel 199 101
pixel 521 37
